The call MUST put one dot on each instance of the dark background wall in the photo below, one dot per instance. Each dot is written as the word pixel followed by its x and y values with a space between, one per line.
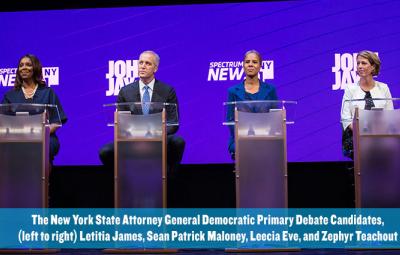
pixel 26 5
pixel 311 185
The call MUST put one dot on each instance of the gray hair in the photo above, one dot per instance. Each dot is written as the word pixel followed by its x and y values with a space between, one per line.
pixel 154 54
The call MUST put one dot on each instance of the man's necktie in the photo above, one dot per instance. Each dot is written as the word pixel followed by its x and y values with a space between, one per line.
pixel 369 103
pixel 146 101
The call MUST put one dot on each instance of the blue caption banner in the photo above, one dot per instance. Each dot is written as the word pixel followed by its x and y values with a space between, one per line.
pixel 199 228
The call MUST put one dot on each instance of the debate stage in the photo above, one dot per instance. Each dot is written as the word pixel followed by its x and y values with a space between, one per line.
pixel 311 185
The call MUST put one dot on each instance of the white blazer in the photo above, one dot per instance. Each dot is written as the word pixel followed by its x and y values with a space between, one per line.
pixel 354 91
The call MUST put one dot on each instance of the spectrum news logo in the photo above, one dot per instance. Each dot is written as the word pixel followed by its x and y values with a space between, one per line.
pixel 234 71
pixel 50 74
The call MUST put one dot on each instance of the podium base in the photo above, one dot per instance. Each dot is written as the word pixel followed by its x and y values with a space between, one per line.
pixel 140 251
pixel 28 251
pixel 251 250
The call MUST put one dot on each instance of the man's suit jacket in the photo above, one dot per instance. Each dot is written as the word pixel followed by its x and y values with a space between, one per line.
pixel 162 93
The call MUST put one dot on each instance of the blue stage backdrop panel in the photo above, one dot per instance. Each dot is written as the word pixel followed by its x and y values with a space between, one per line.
pixel 307 46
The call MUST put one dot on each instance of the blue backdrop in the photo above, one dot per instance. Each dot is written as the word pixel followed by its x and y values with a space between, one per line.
pixel 307 46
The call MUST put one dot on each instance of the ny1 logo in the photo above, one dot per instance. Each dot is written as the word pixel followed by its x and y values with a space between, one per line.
pixel 345 70
pixel 120 73
pixel 50 74
pixel 233 70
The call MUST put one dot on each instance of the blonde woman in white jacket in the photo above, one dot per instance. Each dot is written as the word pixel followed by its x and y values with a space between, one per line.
pixel 368 66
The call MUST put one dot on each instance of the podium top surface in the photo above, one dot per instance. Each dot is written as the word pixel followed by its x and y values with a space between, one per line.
pixel 394 100
pixel 278 103
pixel 160 105
pixel 24 109
pixel 368 106
pixel 260 106
pixel 141 108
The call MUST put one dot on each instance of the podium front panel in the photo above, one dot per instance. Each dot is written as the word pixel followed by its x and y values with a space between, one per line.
pixel 260 124
pixel 261 160
pixel 131 126
pixel 139 174
pixel 21 175
pixel 376 158
pixel 262 170
pixel 23 157
pixel 380 175
pixel 21 128
pixel 379 122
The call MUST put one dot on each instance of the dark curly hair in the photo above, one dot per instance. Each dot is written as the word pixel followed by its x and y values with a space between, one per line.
pixel 37 72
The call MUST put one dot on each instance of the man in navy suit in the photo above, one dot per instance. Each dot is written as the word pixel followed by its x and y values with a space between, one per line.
pixel 157 91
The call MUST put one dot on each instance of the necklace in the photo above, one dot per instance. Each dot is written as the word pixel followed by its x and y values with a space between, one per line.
pixel 29 93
